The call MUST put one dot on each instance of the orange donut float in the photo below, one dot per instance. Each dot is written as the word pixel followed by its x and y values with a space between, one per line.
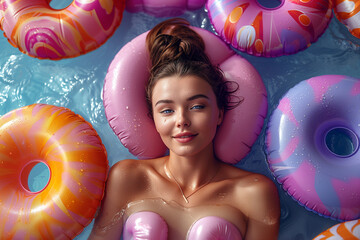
pixel 349 230
pixel 348 12
pixel 76 159
pixel 46 33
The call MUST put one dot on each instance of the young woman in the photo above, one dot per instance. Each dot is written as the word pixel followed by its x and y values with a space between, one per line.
pixel 189 193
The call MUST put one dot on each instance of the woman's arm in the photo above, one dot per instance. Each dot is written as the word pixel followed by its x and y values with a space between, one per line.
pixel 118 192
pixel 263 209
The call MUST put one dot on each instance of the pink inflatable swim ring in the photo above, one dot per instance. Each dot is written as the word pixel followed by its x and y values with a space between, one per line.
pixel 286 29
pixel 42 32
pixel 163 8
pixel 313 145
pixel 128 115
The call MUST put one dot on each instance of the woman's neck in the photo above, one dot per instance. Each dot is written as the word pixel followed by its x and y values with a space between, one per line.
pixel 192 172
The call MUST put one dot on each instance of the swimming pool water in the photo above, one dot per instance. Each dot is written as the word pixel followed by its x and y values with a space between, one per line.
pixel 77 84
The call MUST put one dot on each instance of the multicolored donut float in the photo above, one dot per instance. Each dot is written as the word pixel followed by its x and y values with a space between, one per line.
pixel 270 32
pixel 42 32
pixel 127 113
pixel 313 145
pixel 76 160
pixel 163 8
pixel 349 230
pixel 348 12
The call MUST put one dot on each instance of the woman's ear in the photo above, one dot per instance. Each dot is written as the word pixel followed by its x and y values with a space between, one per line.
pixel 221 116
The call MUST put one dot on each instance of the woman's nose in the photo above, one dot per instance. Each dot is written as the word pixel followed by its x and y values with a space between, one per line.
pixel 183 119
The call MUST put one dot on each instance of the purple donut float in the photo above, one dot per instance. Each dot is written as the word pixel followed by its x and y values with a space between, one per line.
pixel 312 145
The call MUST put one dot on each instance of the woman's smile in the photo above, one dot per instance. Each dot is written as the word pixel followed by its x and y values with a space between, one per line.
pixel 185 137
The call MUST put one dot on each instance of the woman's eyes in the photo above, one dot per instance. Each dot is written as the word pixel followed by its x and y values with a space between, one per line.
pixel 194 107
pixel 198 107
pixel 166 111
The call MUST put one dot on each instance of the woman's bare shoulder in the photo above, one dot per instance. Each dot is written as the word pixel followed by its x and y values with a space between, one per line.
pixel 256 196
pixel 260 188
pixel 126 165
pixel 255 190
pixel 130 171
pixel 245 178
pixel 129 164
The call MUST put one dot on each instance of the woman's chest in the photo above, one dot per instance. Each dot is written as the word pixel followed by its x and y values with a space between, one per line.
pixel 180 220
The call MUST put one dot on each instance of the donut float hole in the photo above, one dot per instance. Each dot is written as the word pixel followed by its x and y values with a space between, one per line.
pixel 274 4
pixel 341 141
pixel 60 4
pixel 35 176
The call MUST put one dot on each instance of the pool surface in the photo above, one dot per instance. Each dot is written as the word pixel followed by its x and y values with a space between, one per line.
pixel 77 84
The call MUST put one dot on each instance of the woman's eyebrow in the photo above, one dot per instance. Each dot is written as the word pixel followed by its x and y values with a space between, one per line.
pixel 197 96
pixel 163 101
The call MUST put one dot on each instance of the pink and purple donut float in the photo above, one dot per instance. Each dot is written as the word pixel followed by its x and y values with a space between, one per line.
pixel 313 145
pixel 286 29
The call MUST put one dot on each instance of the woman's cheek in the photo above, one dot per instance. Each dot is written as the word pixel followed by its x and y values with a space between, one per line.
pixel 162 124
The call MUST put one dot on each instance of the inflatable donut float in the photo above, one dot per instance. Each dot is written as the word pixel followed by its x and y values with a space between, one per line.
pixel 348 12
pixel 313 145
pixel 163 8
pixel 349 230
pixel 270 32
pixel 76 160
pixel 42 32
pixel 125 105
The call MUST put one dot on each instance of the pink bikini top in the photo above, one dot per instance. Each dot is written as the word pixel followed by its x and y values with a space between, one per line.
pixel 151 226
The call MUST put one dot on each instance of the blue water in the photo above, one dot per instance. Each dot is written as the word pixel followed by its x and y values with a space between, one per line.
pixel 39 177
pixel 77 84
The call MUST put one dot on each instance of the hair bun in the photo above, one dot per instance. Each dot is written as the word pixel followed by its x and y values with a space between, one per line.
pixel 165 48
pixel 173 40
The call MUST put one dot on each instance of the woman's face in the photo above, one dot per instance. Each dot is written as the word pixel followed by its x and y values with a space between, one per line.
pixel 186 114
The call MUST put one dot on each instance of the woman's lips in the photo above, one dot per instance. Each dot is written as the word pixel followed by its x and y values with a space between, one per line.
pixel 184 137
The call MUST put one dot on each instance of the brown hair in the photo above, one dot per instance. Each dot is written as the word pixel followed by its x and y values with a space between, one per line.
pixel 176 49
